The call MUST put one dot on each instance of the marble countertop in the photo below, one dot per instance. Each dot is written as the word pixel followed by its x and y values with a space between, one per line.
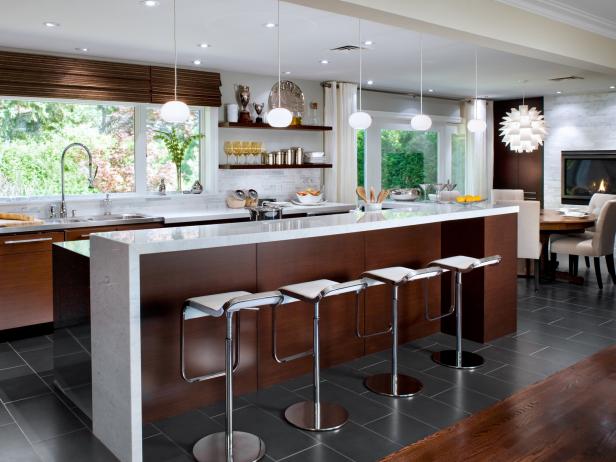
pixel 81 247
pixel 228 234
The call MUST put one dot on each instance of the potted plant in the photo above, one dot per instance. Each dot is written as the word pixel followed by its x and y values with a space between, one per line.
pixel 177 143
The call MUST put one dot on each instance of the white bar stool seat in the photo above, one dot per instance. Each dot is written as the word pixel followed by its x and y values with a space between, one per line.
pixel 459 265
pixel 229 446
pixel 395 384
pixel 314 415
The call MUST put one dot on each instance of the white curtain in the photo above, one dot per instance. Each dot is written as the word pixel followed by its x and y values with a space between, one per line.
pixel 341 142
pixel 479 171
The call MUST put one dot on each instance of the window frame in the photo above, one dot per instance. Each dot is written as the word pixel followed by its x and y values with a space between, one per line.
pixel 445 126
pixel 208 123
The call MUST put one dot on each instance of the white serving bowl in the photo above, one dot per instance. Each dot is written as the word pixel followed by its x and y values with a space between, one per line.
pixel 309 199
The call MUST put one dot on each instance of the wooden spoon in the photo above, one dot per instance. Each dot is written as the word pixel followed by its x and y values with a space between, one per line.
pixel 382 195
pixel 372 198
pixel 361 192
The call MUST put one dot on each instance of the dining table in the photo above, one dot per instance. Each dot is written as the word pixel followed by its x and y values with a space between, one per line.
pixel 556 222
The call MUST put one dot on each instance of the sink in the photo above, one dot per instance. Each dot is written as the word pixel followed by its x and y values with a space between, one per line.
pixel 64 220
pixel 117 216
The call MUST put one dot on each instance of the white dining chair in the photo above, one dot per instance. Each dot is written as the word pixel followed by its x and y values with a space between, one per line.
pixel 507 195
pixel 529 243
pixel 597 201
pixel 600 244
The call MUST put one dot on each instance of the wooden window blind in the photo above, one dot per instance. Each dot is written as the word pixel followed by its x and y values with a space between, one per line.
pixel 31 75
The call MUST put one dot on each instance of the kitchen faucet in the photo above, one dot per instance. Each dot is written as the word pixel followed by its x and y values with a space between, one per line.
pixel 63 212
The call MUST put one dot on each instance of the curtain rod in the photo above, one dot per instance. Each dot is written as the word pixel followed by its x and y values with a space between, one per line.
pixel 407 94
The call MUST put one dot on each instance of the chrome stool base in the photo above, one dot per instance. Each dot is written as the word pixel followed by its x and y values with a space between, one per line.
pixel 301 415
pixel 449 358
pixel 381 384
pixel 246 448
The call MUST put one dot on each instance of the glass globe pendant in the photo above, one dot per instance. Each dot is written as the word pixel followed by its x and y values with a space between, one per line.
pixel 279 117
pixel 360 120
pixel 421 122
pixel 175 112
pixel 476 125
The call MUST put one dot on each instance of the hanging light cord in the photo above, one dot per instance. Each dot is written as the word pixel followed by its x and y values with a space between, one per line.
pixel 421 75
pixel 278 41
pixel 476 83
pixel 360 59
pixel 175 51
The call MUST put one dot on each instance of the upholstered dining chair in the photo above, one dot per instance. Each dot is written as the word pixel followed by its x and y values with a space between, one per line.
pixel 594 207
pixel 600 244
pixel 507 195
pixel 529 243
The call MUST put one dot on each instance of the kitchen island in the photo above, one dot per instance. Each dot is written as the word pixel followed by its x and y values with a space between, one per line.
pixel 139 280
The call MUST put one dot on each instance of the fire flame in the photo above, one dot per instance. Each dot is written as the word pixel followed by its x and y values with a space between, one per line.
pixel 602 186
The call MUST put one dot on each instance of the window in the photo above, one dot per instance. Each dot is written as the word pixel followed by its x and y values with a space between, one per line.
pixel 408 158
pixel 33 135
pixel 159 164
pixel 458 160
pixel 361 157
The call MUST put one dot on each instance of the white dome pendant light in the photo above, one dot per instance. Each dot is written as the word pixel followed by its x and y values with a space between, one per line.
pixel 523 129
pixel 175 112
pixel 279 116
pixel 360 120
pixel 476 125
pixel 421 122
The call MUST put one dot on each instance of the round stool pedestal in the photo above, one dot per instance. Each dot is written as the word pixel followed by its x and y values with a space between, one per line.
pixel 381 384
pixel 449 358
pixel 246 448
pixel 301 415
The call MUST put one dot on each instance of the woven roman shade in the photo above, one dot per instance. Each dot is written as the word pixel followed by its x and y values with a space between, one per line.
pixel 31 75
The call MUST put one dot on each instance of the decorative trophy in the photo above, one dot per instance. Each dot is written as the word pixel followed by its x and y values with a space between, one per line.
pixel 243 97
pixel 259 109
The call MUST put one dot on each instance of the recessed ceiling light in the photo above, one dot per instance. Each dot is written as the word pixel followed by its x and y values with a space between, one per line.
pixel 612 87
pixel 287 72
pixel 197 62
pixel 368 42
pixel 270 25
pixel 558 92
pixel 51 24
pixel 430 90
pixel 370 82
pixel 324 61
pixel 204 45
pixel 150 3
pixel 83 50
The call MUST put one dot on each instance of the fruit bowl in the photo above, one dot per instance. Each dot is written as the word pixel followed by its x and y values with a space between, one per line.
pixel 309 196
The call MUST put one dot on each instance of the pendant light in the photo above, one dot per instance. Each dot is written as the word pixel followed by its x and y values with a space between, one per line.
pixel 360 120
pixel 279 116
pixel 175 112
pixel 523 129
pixel 476 125
pixel 421 122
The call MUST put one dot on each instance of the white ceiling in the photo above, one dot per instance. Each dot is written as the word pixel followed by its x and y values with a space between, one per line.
pixel 126 30
pixel 598 16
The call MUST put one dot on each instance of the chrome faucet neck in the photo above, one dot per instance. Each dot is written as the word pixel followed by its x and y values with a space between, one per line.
pixel 91 175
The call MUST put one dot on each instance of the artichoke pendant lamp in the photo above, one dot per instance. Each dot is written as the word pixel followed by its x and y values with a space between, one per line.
pixel 175 112
pixel 421 122
pixel 279 116
pixel 360 120
pixel 523 129
pixel 476 125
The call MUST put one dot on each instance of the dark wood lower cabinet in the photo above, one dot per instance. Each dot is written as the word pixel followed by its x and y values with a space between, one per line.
pixel 26 294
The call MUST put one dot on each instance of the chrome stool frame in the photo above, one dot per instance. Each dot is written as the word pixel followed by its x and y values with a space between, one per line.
pixel 314 415
pixel 393 383
pixel 458 358
pixel 228 446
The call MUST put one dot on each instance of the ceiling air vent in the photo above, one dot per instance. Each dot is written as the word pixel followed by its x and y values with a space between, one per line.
pixel 570 77
pixel 346 48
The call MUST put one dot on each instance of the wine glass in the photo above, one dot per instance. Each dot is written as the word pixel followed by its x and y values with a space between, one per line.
pixel 245 150
pixel 237 150
pixel 228 148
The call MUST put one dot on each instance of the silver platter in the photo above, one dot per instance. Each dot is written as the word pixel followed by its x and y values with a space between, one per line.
pixel 291 97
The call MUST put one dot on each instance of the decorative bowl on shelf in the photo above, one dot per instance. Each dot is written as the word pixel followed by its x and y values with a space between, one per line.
pixel 309 196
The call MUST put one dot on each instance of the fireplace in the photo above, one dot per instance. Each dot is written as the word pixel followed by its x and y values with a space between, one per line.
pixel 585 173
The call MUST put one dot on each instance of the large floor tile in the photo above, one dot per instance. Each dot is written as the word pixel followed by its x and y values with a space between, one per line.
pixel 159 448
pixel 44 417
pixel 5 417
pixel 472 380
pixel 431 384
pixel 216 409
pixel 466 399
pixel 19 383
pixel 41 360
pixel 516 375
pixel 274 399
pixel 32 343
pixel 401 428
pixel 317 453
pixel 8 357
pixel 529 363
pixel 14 447
pixel 79 445
pixel 188 428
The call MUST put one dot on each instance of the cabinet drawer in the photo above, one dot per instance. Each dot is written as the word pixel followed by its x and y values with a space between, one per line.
pixel 26 243
pixel 84 233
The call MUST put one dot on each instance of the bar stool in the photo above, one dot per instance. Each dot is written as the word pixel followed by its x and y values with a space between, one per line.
pixel 314 415
pixel 392 383
pixel 459 265
pixel 229 446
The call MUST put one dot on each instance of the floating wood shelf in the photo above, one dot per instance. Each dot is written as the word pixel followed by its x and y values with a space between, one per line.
pixel 264 126
pixel 269 167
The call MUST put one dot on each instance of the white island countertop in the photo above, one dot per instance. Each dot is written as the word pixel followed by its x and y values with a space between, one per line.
pixel 228 234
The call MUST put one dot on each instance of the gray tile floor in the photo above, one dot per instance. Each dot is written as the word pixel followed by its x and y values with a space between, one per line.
pixel 557 327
